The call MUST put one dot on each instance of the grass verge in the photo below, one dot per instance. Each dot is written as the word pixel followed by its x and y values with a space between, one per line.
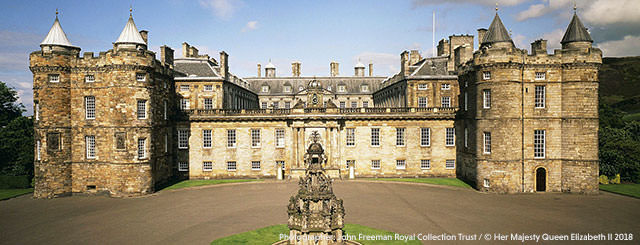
pixel 632 190
pixel 9 193
pixel 435 181
pixel 192 183
pixel 271 234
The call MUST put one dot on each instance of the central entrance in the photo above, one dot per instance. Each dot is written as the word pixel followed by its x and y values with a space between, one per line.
pixel 541 179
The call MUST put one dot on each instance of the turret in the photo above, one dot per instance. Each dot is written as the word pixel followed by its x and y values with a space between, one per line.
pixel 497 35
pixel 56 39
pixel 576 36
pixel 270 70
pixel 130 37
pixel 359 69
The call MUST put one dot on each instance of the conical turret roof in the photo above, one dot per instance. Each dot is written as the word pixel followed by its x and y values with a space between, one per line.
pixel 270 65
pixel 576 32
pixel 130 34
pixel 359 64
pixel 56 36
pixel 497 32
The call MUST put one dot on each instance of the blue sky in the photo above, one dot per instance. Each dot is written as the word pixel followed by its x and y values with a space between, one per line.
pixel 313 32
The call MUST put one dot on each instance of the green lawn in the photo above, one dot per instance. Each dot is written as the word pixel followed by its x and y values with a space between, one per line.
pixel 271 234
pixel 191 183
pixel 9 193
pixel 435 181
pixel 623 189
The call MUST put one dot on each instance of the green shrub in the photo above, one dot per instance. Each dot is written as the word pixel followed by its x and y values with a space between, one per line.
pixel 14 182
pixel 604 180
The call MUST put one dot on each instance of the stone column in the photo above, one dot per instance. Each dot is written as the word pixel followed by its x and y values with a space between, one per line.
pixel 294 143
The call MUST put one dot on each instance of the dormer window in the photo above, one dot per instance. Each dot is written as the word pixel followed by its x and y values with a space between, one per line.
pixel 265 89
pixel 445 86
pixel 286 89
pixel 89 79
pixel 300 88
pixel 364 88
pixel 541 75
pixel 184 87
pixel 329 88
pixel 486 75
pixel 140 77
pixel 54 78
pixel 422 86
pixel 341 88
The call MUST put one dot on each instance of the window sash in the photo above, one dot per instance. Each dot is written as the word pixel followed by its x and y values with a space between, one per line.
pixel 255 137
pixel 375 164
pixel 351 136
pixel 445 101
pixel 450 137
pixel 279 138
pixel 541 75
pixel 90 143
pixel 445 86
pixel 89 78
pixel 38 150
pixel 400 136
pixel 231 138
pixel 487 143
pixel 142 109
pixel 207 166
pixel 142 145
pixel 540 96
pixel 184 104
pixel 54 78
pixel 231 166
pixel 184 87
pixel 208 88
pixel 450 164
pixel 425 136
pixel 486 75
pixel 425 164
pixel 140 77
pixel 422 102
pixel 539 143
pixel 208 103
pixel 206 138
pixel 401 164
pixel 375 137
pixel 183 139
pixel 365 104
pixel 183 166
pixel 90 107
pixel 486 98
pixel 255 165
pixel 423 86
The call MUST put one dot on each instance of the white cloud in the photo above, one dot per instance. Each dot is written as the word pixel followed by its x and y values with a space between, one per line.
pixel 383 63
pixel 629 46
pixel 223 9
pixel 417 3
pixel 533 11
pixel 603 12
pixel 251 25
pixel 553 38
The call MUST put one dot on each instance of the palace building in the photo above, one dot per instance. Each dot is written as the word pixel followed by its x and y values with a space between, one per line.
pixel 501 118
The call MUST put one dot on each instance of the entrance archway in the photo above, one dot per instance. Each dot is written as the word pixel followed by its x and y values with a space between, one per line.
pixel 541 179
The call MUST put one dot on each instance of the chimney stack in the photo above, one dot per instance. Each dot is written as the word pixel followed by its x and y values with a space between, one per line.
pixel 295 68
pixel 185 49
pixel 414 57
pixel 270 70
pixel 371 69
pixel 404 63
pixel 224 65
pixel 166 55
pixel 481 33
pixel 145 36
pixel 259 70
pixel 335 70
pixel 539 47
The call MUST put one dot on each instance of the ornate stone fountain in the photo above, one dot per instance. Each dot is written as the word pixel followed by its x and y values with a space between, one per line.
pixel 316 216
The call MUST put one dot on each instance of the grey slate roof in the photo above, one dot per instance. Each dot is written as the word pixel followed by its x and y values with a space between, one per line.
pixel 497 32
pixel 431 67
pixel 195 67
pixel 276 84
pixel 576 32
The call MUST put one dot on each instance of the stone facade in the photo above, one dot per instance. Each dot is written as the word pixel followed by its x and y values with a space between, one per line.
pixel 124 123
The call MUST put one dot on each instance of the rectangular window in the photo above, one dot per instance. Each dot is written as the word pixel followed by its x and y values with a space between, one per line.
pixel 36 111
pixel 364 88
pixel 375 164
pixel 487 143
pixel 445 86
pixel 231 166
pixel 425 136
pixel 54 78
pixel 183 166
pixel 541 75
pixel 540 96
pixel 538 143
pixel 422 86
pixel 450 164
pixel 425 164
pixel 422 102
pixel 38 156
pixel 486 75
pixel 486 183
pixel 341 88
pixel 280 163
pixel 142 109
pixel 287 104
pixel 206 138
pixel 279 138
pixel 401 164
pixel 275 105
pixel 90 107
pixel 400 136
pixel 351 163
pixel 165 109
pixel 231 138
pixel 89 78
pixel 265 89
pixel 466 101
pixel 142 146
pixel 140 77
pixel 351 136
pixel 486 98
pixel 207 166
pixel 166 143
pixel 354 104
pixel 365 104
pixel 255 165
pixel 184 104
pixel 263 105
pixel 183 139
pixel 208 88
pixel 375 137
pixel 450 137
pixel 121 139
pixel 53 141
pixel 255 138
pixel 286 89
pixel 208 103
pixel 343 104
pixel 446 101
pixel 466 137
pixel 90 144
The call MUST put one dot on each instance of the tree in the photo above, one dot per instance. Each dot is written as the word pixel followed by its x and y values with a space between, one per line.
pixel 619 145
pixel 16 135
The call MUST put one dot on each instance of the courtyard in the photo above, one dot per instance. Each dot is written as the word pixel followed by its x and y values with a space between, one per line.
pixel 202 214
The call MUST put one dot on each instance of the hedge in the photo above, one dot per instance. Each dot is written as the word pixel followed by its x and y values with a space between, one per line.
pixel 13 182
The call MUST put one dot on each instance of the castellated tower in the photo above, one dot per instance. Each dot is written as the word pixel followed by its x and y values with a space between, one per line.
pixel 529 121
pixel 102 123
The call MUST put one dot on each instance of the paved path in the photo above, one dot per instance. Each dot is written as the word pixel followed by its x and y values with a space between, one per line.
pixel 198 216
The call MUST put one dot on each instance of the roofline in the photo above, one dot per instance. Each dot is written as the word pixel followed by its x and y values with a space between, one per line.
pixel 198 78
